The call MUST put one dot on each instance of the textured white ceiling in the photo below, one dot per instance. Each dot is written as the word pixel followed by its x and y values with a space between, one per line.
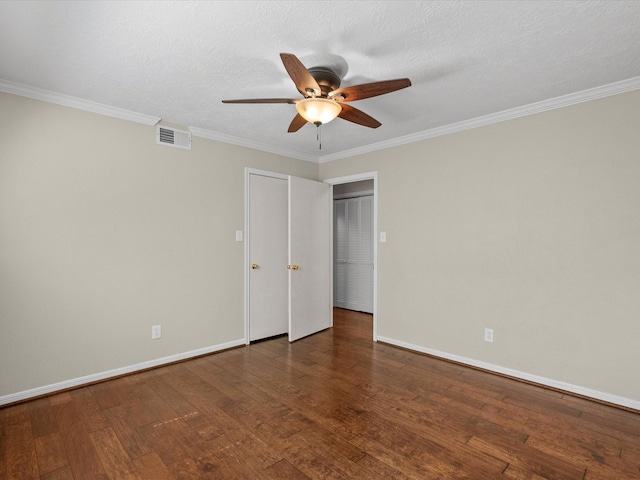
pixel 178 60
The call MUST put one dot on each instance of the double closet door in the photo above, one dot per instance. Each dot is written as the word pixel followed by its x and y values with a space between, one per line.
pixel 289 256
pixel 353 253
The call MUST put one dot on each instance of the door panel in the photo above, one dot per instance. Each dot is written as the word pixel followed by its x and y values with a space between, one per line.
pixel 268 281
pixel 310 249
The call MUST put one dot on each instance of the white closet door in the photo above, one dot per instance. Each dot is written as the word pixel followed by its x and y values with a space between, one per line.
pixel 268 280
pixel 288 221
pixel 309 257
pixel 340 253
pixel 353 254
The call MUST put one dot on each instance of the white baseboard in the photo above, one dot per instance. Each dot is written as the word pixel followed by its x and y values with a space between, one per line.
pixel 567 387
pixel 76 382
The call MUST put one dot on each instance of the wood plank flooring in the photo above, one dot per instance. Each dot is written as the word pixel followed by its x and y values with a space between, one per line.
pixel 331 406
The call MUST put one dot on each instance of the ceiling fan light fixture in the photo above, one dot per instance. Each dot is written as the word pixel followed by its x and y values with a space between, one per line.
pixel 318 110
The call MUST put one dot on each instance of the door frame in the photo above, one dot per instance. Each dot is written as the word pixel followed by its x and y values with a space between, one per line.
pixel 247 238
pixel 350 179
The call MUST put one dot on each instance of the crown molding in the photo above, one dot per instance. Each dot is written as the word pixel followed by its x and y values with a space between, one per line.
pixel 530 109
pixel 74 102
pixel 513 113
pixel 221 137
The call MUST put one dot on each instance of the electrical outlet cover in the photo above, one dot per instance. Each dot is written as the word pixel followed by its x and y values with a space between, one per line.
pixel 156 332
pixel 488 335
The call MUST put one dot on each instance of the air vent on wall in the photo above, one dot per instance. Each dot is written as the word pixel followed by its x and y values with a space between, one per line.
pixel 173 138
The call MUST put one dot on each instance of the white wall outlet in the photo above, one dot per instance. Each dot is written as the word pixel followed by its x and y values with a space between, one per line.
pixel 156 332
pixel 488 335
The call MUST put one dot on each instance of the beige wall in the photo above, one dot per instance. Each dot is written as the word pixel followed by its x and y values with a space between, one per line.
pixel 103 234
pixel 530 227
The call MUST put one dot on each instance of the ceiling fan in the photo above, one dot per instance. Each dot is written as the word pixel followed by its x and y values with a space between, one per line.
pixel 323 99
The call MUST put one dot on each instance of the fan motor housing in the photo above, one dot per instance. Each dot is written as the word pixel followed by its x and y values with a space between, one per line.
pixel 327 79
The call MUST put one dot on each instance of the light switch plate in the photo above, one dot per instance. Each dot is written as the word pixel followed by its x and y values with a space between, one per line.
pixel 238 235
pixel 383 237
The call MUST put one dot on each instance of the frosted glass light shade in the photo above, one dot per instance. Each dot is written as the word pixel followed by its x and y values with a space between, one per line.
pixel 318 110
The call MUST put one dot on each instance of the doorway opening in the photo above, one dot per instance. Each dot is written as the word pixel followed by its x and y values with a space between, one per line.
pixel 357 193
pixel 353 246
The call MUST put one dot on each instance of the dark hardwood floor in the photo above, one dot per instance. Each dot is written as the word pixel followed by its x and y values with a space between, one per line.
pixel 331 406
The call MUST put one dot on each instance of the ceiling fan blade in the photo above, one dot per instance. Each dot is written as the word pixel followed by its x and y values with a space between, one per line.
pixel 354 115
pixel 368 90
pixel 262 100
pixel 300 75
pixel 296 124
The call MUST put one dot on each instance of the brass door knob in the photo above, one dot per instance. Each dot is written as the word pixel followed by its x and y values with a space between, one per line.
pixel 254 266
pixel 295 267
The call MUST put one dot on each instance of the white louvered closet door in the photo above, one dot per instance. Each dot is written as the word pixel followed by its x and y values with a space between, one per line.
pixel 340 253
pixel 353 254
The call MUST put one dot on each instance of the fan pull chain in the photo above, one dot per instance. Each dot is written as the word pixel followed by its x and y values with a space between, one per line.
pixel 319 136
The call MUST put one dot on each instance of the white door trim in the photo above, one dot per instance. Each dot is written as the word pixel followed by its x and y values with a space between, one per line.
pixel 247 238
pixel 356 178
